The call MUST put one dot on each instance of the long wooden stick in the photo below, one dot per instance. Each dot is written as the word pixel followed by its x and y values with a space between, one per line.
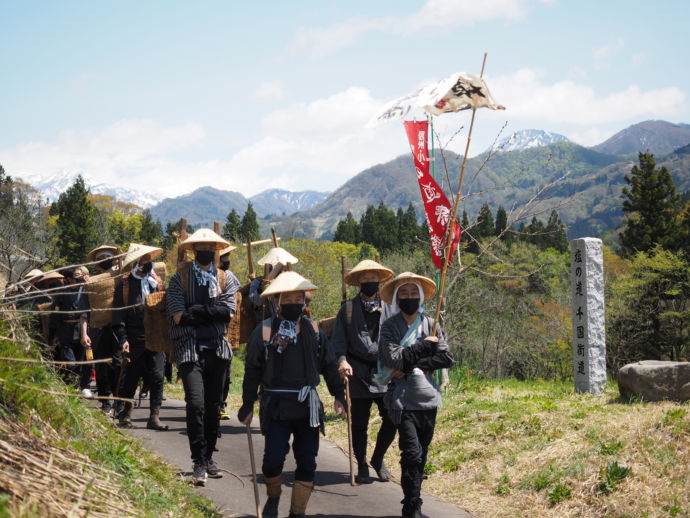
pixel 349 430
pixel 262 241
pixel 253 463
pixel 454 214
pixel 274 237
pixel 343 285
pixel 250 261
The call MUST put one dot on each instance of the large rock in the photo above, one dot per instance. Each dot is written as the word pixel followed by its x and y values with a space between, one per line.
pixel 655 380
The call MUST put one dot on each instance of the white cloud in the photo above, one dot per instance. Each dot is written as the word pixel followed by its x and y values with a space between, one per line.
pixel 591 136
pixel 270 91
pixel 527 97
pixel 436 15
pixel 120 154
pixel 317 145
pixel 609 49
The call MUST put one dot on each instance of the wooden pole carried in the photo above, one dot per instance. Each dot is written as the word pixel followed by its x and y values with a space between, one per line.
pixel 343 284
pixel 274 237
pixel 349 430
pixel 250 261
pixel 453 217
pixel 181 237
pixel 216 255
pixel 253 463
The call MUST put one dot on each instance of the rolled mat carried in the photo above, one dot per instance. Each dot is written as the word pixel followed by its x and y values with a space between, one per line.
pixel 101 292
pixel 156 323
pixel 235 325
pixel 327 325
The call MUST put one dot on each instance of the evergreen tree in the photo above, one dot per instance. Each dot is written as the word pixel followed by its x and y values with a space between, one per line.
pixel 151 231
pixel 501 222
pixel 535 233
pixel 652 207
pixel 555 236
pixel 408 229
pixel 386 225
pixel 485 223
pixel 367 226
pixel 76 219
pixel 347 230
pixel 249 228
pixel 232 227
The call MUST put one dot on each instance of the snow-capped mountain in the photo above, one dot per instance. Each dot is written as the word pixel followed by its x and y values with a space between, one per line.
pixel 53 185
pixel 279 201
pixel 529 138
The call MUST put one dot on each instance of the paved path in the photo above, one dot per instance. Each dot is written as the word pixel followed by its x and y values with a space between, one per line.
pixel 333 496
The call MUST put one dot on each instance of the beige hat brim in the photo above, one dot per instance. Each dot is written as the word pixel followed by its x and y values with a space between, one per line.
pixel 226 250
pixel 367 265
pixel 33 275
pixel 91 257
pixel 286 282
pixel 137 251
pixel 427 285
pixel 207 236
pixel 51 276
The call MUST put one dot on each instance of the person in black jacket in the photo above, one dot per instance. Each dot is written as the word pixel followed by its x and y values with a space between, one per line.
pixel 285 357
pixel 409 352
pixel 355 342
pixel 128 327
pixel 64 326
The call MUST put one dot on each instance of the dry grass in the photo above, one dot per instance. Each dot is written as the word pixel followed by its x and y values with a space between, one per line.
pixel 42 479
pixel 508 449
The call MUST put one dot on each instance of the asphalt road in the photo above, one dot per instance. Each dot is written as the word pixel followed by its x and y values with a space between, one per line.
pixel 333 496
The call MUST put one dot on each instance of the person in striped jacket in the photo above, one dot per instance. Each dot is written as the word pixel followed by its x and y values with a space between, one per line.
pixel 200 304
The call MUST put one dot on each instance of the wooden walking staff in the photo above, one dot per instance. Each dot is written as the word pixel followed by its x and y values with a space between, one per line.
pixel 343 284
pixel 253 463
pixel 349 430
pixel 250 261
pixel 216 255
pixel 453 217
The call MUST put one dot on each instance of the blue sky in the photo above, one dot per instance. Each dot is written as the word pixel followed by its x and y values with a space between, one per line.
pixel 170 96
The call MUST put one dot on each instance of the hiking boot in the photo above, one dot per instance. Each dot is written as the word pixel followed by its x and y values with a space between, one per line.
pixel 382 471
pixel 212 469
pixel 224 415
pixel 199 474
pixel 106 407
pixel 362 476
pixel 270 509
pixel 154 422
pixel 86 392
pixel 124 419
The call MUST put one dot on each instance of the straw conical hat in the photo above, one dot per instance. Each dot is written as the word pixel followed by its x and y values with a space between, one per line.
pixel 352 278
pixel 136 251
pixel 91 257
pixel 204 235
pixel 278 255
pixel 427 285
pixel 288 281
pixel 50 276
pixel 226 250
pixel 33 275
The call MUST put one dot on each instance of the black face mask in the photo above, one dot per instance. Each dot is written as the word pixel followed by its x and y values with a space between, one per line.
pixel 291 311
pixel 145 268
pixel 369 288
pixel 225 265
pixel 204 257
pixel 408 306
pixel 106 264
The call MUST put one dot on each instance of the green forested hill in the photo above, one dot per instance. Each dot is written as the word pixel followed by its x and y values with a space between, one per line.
pixel 586 186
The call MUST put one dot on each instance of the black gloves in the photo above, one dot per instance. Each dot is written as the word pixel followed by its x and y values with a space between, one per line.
pixel 421 349
pixel 200 314
pixel 246 409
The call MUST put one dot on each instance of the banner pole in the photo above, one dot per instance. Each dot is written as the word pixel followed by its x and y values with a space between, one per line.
pixel 454 214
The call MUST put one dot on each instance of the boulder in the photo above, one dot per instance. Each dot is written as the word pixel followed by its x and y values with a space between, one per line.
pixel 654 380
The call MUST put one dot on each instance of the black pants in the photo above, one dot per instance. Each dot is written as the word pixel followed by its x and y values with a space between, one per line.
pixel 144 363
pixel 305 447
pixel 203 385
pixel 361 409
pixel 226 385
pixel 416 430
pixel 79 375
pixel 105 346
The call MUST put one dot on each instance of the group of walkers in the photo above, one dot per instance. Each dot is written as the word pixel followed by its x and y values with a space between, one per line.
pixel 383 347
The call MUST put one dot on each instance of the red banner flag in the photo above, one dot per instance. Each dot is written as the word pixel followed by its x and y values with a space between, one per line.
pixel 436 204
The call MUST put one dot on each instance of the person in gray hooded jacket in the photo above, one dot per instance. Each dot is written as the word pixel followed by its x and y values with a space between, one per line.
pixel 408 354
